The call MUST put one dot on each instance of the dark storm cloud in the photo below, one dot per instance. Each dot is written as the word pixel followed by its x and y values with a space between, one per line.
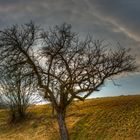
pixel 125 12
pixel 51 13
pixel 114 20
pixel 111 20
pixel 124 16
pixel 42 11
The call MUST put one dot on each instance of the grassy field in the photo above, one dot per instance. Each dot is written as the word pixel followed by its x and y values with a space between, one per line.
pixel 114 118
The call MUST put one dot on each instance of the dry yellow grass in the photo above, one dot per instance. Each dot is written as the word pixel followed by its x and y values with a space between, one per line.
pixel 115 118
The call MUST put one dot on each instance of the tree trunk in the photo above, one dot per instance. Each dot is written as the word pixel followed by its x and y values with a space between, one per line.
pixel 62 126
pixel 21 113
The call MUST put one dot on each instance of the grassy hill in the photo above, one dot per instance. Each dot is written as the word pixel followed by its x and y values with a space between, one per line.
pixel 114 118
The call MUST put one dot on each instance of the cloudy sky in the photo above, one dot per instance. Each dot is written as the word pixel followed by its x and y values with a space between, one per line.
pixel 111 20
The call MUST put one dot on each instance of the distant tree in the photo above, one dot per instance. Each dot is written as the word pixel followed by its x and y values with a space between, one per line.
pixel 66 67
pixel 17 93
pixel 17 79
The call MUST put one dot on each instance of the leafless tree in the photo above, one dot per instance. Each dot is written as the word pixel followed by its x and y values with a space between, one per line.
pixel 18 81
pixel 17 93
pixel 75 69
pixel 70 68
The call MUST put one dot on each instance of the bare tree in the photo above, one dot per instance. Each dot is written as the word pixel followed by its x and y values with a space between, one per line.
pixel 18 81
pixel 71 69
pixel 17 93
pixel 75 69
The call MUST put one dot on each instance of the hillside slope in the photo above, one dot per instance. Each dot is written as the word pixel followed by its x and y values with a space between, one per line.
pixel 114 118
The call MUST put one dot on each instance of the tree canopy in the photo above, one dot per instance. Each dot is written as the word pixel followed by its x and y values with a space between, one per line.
pixel 65 67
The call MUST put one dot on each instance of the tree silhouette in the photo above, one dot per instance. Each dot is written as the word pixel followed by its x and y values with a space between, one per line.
pixel 65 67
pixel 17 93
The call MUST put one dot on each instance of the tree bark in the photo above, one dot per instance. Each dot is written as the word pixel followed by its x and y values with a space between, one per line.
pixel 62 126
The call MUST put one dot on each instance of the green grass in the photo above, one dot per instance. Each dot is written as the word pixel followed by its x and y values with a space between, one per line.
pixel 114 118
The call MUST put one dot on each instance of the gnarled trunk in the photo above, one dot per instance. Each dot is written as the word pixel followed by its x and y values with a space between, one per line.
pixel 62 126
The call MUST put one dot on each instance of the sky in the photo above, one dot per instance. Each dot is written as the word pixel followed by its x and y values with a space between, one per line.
pixel 111 20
